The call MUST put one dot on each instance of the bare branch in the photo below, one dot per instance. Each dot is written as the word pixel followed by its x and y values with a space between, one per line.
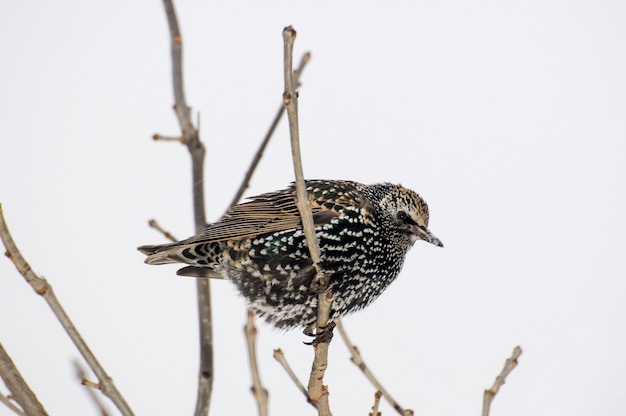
pixel 20 390
pixel 377 397
pixel 279 356
pixel 160 137
pixel 42 288
pixel 154 224
pixel 260 392
pixel 196 149
pixel 318 393
pixel 190 135
pixel 357 359
pixel 290 99
pixel 81 374
pixel 509 365
pixel 259 154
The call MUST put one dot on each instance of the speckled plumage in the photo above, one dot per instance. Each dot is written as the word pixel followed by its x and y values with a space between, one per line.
pixel 364 233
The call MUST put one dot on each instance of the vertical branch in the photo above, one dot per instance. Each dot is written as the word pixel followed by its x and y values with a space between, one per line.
pixel 190 136
pixel 290 99
pixel 20 390
pixel 377 397
pixel 318 393
pixel 196 149
pixel 260 392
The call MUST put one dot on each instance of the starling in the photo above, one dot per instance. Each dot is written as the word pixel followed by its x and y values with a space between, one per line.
pixel 364 233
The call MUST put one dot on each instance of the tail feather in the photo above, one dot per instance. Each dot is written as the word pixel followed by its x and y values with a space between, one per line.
pixel 173 253
pixel 151 249
pixel 193 271
pixel 161 254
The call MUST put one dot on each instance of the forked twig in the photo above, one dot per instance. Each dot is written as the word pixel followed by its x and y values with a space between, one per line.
pixel 260 392
pixel 357 359
pixel 191 139
pixel 43 288
pixel 259 154
pixel 290 99
pixel 377 397
pixel 81 374
pixel 490 393
pixel 8 403
pixel 318 393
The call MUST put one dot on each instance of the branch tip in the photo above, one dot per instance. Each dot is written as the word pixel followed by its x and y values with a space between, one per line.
pixel 289 32
pixel 357 359
pixel 509 365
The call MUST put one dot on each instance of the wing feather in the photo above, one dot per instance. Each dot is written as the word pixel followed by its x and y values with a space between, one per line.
pixel 277 211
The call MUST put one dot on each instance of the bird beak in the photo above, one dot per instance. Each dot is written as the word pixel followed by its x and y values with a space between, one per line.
pixel 423 233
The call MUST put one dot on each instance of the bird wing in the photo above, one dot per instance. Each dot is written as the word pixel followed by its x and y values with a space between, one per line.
pixel 277 211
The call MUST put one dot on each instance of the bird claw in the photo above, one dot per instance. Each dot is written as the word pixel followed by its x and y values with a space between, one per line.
pixel 323 337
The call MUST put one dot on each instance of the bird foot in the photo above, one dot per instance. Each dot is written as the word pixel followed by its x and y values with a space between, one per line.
pixel 324 336
pixel 320 282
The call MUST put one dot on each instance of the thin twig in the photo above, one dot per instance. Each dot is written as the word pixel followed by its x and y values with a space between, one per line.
pixel 190 134
pixel 162 138
pixel 290 99
pixel 81 374
pixel 279 356
pixel 357 359
pixel 260 392
pixel 154 224
pixel 42 288
pixel 318 393
pixel 8 403
pixel 259 154
pixel 20 391
pixel 490 393
pixel 377 397
pixel 196 150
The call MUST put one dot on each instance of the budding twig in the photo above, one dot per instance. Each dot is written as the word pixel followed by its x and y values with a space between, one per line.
pixel 260 393
pixel 490 393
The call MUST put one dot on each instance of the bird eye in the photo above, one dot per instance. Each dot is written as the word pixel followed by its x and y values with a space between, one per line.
pixel 406 218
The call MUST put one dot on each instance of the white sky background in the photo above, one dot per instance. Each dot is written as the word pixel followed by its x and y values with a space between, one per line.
pixel 507 117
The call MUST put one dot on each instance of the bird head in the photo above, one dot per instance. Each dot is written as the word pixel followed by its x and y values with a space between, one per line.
pixel 405 212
